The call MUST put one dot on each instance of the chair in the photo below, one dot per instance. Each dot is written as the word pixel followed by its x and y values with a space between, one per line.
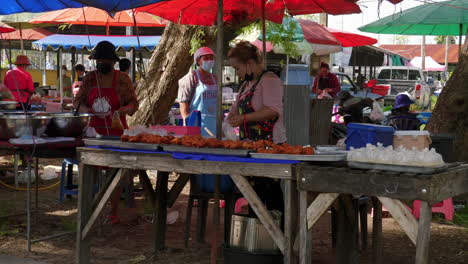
pixel 66 179
pixel 445 207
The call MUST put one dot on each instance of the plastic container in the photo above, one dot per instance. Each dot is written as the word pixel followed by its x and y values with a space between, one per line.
pixel 381 89
pixel 444 144
pixel 180 130
pixel 410 139
pixel 359 135
pixel 248 233
pixel 205 183
pixel 236 256
pixel 424 117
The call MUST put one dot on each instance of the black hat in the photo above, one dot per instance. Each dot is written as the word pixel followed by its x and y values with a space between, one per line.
pixel 104 50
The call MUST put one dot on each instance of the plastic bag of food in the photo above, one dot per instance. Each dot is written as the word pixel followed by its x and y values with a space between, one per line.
pixel 377 115
pixel 324 95
pixel 229 132
pixel 116 122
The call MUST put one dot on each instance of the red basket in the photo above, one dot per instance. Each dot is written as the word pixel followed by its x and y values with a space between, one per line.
pixel 180 130
pixel 381 89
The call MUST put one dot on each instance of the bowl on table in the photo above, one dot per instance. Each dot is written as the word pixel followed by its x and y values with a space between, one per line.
pixel 17 125
pixel 67 124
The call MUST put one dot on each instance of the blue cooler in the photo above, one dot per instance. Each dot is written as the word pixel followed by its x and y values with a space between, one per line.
pixel 359 135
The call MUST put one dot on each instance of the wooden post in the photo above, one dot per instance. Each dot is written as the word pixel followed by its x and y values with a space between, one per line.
pixel 290 220
pixel 304 234
pixel 160 212
pixel 216 213
pixel 85 198
pixel 219 69
pixel 347 229
pixel 424 234
pixel 377 231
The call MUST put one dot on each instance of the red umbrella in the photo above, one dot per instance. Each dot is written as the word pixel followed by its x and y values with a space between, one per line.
pixel 203 12
pixel 28 34
pixel 4 28
pixel 348 39
pixel 97 17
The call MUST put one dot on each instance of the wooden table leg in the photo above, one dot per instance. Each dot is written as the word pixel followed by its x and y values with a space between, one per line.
pixel 424 234
pixel 85 198
pixel 290 220
pixel 377 231
pixel 346 246
pixel 304 234
pixel 216 213
pixel 160 211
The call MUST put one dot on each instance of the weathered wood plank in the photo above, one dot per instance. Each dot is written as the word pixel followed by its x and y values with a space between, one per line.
pixel 403 216
pixel 377 231
pixel 304 234
pixel 102 203
pixel 177 188
pixel 160 212
pixel 216 215
pixel 261 211
pixel 424 234
pixel 290 220
pixel 346 244
pixel 141 161
pixel 85 198
pixel 318 207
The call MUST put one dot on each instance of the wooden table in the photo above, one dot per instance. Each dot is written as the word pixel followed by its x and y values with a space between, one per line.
pixel 89 209
pixel 389 188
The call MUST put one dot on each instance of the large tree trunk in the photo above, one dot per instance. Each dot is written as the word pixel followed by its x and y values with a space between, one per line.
pixel 170 61
pixel 451 112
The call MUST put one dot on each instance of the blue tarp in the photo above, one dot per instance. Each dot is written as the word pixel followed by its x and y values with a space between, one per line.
pixel 18 6
pixel 84 42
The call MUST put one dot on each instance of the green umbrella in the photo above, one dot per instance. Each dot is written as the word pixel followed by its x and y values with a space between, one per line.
pixel 448 18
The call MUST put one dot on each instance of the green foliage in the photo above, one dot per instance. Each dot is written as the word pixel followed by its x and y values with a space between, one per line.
pixel 69 225
pixel 197 41
pixel 7 208
pixel 441 39
pixel 461 217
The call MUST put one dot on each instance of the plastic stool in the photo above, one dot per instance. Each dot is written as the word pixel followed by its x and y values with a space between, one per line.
pixel 445 207
pixel 66 186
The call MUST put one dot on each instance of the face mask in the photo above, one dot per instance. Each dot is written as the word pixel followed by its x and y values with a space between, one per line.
pixel 208 65
pixel 104 68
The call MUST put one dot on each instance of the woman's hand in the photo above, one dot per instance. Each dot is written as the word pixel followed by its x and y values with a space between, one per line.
pixel 235 120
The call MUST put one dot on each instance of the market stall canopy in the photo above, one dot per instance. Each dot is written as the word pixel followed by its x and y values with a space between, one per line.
pixel 449 18
pixel 27 34
pixel 21 21
pixel 4 28
pixel 348 39
pixel 203 12
pixel 80 42
pixel 430 64
pixel 19 6
pixel 97 17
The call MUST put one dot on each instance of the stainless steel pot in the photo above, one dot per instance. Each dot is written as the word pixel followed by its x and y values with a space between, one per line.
pixel 67 125
pixel 15 126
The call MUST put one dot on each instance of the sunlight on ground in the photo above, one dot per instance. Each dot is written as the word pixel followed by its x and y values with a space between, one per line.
pixel 62 212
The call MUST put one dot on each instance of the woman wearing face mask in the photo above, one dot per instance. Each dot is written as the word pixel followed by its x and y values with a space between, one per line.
pixel 198 91
pixel 258 111
pixel 105 91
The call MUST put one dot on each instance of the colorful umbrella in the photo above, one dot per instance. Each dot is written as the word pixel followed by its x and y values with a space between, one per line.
pixel 28 34
pixel 4 28
pixel 98 17
pixel 348 39
pixel 203 12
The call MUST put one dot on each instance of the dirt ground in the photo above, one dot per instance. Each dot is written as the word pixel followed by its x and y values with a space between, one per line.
pixel 131 241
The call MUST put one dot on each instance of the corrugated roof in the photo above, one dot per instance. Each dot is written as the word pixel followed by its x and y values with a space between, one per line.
pixel 436 51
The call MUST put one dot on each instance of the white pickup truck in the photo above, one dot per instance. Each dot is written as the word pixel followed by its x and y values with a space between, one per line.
pixel 405 79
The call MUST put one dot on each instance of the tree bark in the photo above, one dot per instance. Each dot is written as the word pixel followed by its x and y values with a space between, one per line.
pixel 451 112
pixel 170 61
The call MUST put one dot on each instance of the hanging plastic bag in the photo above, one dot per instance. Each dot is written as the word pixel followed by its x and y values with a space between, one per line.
pixel 229 131
pixel 376 115
pixel 116 122
pixel 324 95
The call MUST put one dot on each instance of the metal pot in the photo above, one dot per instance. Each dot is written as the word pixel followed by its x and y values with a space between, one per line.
pixel 15 126
pixel 67 124
pixel 8 105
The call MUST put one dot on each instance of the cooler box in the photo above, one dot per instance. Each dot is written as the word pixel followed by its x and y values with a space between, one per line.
pixel 359 135
pixel 410 139
pixel 205 183
pixel 424 117
pixel 381 89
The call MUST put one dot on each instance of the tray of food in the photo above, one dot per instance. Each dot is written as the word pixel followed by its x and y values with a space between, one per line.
pixel 396 168
pixel 301 157
pixel 206 150
pixel 121 144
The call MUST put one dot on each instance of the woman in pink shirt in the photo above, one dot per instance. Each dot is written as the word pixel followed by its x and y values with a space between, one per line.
pixel 258 110
pixel 19 81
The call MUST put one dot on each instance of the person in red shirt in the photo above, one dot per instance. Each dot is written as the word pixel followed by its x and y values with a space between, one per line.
pixel 19 81
pixel 326 82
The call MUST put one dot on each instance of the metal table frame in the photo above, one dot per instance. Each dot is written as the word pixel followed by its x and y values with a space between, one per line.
pixel 389 188
pixel 89 208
